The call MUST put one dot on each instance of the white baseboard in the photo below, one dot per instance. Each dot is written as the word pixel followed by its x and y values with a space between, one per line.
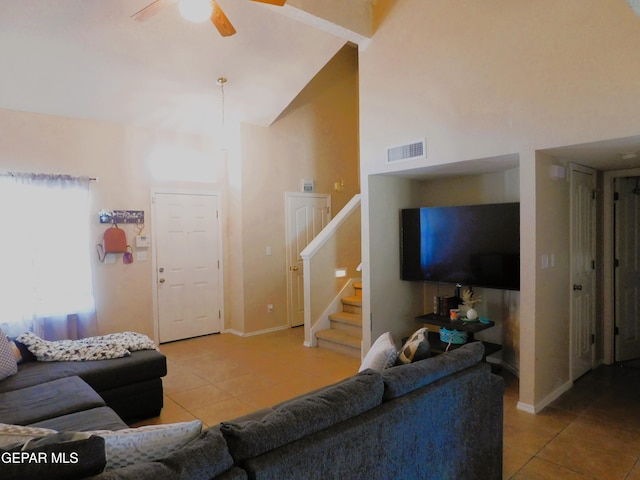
pixel 546 401
pixel 526 407
pixel 258 332
pixel 233 332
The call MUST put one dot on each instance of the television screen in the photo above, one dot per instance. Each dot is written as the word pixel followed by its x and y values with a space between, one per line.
pixel 475 245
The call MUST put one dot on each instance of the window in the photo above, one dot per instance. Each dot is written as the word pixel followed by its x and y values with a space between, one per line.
pixel 45 269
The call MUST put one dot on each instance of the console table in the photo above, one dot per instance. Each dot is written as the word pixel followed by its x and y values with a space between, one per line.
pixel 461 325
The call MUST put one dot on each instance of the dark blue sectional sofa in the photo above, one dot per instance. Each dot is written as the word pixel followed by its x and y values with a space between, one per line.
pixel 122 389
pixel 438 418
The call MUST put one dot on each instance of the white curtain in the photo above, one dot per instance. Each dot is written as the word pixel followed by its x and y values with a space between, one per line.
pixel 45 269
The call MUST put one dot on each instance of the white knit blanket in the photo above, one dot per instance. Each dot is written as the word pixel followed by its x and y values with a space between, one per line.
pixel 114 345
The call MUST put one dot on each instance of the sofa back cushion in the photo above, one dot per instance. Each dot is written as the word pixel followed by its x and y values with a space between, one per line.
pixel 299 417
pixel 402 379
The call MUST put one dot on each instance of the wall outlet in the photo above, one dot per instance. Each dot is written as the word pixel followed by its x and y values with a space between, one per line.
pixel 270 308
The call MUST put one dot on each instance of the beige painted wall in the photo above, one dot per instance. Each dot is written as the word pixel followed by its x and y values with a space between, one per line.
pixel 552 284
pixel 393 303
pixel 121 157
pixel 479 80
pixel 315 137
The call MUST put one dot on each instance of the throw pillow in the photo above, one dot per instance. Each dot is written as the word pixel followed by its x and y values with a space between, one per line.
pixel 146 444
pixel 8 364
pixel 415 348
pixel 11 435
pixel 381 355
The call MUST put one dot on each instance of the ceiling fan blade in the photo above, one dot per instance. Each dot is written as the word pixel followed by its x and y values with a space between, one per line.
pixel 279 3
pixel 151 9
pixel 221 22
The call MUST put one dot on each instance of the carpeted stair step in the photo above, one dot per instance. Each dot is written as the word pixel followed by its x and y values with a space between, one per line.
pixel 339 341
pixel 352 304
pixel 347 322
pixel 357 286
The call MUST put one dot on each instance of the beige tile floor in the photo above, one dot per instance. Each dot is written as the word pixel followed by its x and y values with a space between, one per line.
pixel 591 432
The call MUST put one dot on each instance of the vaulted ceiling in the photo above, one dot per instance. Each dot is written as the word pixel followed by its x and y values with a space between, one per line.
pixel 90 59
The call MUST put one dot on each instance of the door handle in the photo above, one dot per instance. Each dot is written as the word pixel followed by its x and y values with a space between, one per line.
pixel 294 268
pixel 161 280
pixel 577 287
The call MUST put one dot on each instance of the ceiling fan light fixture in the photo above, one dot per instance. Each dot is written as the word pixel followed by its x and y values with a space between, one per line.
pixel 196 10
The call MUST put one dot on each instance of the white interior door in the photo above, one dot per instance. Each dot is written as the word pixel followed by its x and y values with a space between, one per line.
pixel 627 270
pixel 307 214
pixel 583 231
pixel 187 265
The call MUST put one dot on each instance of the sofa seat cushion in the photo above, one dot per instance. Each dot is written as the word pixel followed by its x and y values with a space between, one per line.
pixel 47 400
pixel 100 418
pixel 100 374
pixel 402 379
pixel 299 417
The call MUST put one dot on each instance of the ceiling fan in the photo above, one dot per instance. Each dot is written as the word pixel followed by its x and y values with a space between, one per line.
pixel 198 10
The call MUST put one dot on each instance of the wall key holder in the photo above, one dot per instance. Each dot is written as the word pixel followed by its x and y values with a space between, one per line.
pixel 121 216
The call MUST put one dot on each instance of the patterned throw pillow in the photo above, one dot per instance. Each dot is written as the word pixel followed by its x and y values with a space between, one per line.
pixel 146 444
pixel 381 355
pixel 8 365
pixel 415 348
pixel 18 434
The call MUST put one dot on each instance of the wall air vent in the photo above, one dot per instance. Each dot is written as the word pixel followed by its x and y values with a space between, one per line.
pixel 411 151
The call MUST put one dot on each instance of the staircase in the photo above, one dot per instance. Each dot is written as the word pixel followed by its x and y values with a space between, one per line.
pixel 345 333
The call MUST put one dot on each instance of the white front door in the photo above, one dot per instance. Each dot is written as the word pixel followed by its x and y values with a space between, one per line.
pixel 583 234
pixel 627 269
pixel 307 214
pixel 186 230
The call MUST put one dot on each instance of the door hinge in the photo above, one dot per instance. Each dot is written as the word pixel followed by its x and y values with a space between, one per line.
pixel 616 263
pixel 593 194
pixel 616 196
pixel 216 213
pixel 593 339
pixel 616 330
pixel 218 264
pixel 219 314
pixel 593 264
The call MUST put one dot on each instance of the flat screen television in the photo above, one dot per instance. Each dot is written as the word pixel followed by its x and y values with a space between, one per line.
pixel 475 245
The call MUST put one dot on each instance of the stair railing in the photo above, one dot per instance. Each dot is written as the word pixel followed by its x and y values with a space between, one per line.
pixel 337 247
